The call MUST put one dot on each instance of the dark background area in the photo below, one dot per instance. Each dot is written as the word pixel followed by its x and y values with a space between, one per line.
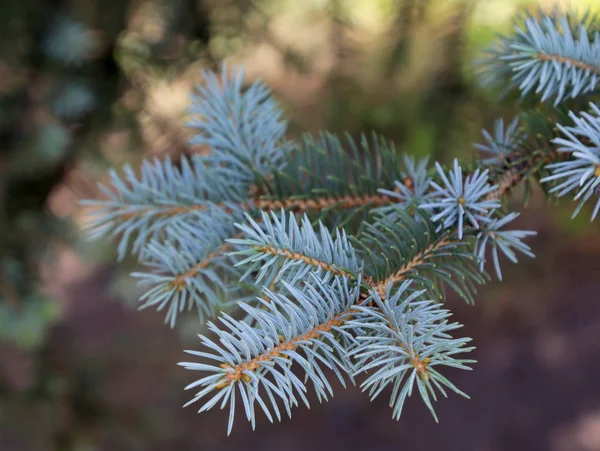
pixel 86 86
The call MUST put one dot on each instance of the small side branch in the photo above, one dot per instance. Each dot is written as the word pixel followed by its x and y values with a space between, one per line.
pixel 181 280
pixel 305 259
pixel 568 61
pixel 239 371
pixel 401 274
pixel 322 203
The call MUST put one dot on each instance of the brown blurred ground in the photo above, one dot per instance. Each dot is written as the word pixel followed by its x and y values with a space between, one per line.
pixel 535 386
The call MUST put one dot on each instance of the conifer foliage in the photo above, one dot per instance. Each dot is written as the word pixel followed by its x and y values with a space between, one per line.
pixel 329 257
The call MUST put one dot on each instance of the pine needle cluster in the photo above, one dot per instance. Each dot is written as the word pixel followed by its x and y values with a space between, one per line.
pixel 329 257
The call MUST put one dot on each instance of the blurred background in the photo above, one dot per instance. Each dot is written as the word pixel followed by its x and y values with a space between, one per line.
pixel 90 85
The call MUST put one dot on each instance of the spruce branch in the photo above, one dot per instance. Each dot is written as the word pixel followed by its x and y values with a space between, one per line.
pixel 551 56
pixel 257 362
pixel 243 127
pixel 280 248
pixel 188 275
pixel 333 180
pixel 503 143
pixel 343 242
pixel 339 298
pixel 140 208
pixel 412 190
pixel 503 240
pixel 458 200
pixel 408 343
pixel 398 247
pixel 581 173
